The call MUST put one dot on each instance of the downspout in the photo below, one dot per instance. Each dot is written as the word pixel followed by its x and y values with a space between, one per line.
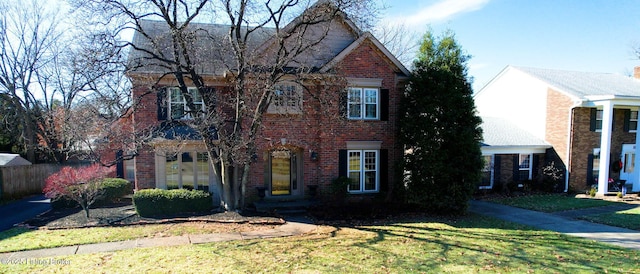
pixel 577 103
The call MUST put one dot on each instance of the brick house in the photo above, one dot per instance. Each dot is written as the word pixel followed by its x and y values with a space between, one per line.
pixel 589 120
pixel 512 155
pixel 304 147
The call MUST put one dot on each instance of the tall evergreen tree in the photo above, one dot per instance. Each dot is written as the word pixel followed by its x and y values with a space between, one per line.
pixel 440 128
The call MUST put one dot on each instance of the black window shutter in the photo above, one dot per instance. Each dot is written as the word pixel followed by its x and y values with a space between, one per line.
pixel 384 170
pixel 534 164
pixel 342 163
pixel 496 169
pixel 627 118
pixel 162 104
pixel 590 169
pixel 384 105
pixel 516 168
pixel 592 125
pixel 119 165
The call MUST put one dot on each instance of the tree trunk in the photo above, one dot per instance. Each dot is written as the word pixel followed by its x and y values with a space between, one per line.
pixel 227 188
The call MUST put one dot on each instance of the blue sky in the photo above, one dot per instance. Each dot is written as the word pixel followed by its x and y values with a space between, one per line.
pixel 579 35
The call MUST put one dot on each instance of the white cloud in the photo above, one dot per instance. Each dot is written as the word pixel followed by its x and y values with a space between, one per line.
pixel 444 10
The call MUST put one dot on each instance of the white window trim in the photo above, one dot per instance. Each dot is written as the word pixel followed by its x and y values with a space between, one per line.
pixel 492 171
pixel 362 171
pixel 363 103
pixel 185 108
pixel 601 120
pixel 530 168
pixel 632 120
pixel 161 175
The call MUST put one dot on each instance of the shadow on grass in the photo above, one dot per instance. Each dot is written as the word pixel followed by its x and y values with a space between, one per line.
pixel 492 244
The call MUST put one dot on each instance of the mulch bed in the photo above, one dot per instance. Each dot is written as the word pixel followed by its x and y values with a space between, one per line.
pixel 123 213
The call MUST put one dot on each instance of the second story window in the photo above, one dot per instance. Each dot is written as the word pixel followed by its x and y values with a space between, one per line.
pixel 178 108
pixel 287 99
pixel 363 103
pixel 633 121
pixel 598 120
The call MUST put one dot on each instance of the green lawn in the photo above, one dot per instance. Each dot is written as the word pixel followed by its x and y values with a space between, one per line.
pixel 18 239
pixel 468 244
pixel 627 218
pixel 551 202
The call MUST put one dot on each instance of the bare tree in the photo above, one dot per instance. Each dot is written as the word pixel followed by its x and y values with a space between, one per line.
pixel 258 45
pixel 399 40
pixel 28 33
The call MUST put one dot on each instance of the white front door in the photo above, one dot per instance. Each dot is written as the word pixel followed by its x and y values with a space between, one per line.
pixel 628 158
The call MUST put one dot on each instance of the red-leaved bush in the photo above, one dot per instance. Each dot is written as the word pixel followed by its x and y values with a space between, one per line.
pixel 80 184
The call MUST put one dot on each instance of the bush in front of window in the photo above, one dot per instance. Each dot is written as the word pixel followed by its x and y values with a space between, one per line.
pixel 115 188
pixel 339 189
pixel 160 202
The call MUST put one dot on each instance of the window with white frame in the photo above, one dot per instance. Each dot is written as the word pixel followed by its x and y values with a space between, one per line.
pixel 178 108
pixel 599 120
pixel 287 99
pixel 595 171
pixel 363 169
pixel 525 167
pixel 187 170
pixel 487 172
pixel 363 103
pixel 633 121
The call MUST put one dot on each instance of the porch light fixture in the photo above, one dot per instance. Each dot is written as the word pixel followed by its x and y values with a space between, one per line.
pixel 314 156
pixel 283 141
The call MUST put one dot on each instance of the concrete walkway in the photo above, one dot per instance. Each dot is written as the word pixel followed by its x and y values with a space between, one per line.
pixel 555 222
pixel 295 225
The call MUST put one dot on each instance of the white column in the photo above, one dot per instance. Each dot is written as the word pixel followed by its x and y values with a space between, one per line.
pixel 635 176
pixel 605 146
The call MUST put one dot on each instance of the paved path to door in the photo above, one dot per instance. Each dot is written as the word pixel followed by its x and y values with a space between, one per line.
pixel 22 210
pixel 556 222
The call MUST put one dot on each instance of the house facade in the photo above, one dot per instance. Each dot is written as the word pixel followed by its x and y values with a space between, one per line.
pixel 589 120
pixel 303 142
pixel 513 157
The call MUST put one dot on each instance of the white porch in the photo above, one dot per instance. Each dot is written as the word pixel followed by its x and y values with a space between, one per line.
pixel 608 104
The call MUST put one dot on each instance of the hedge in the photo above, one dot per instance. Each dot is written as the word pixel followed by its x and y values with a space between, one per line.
pixel 114 189
pixel 156 202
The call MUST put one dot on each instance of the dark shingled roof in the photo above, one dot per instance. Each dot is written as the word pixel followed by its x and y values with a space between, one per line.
pixel 210 48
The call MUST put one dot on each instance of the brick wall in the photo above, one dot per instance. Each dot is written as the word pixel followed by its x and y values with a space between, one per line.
pixel 583 141
pixel 144 117
pixel 557 122
pixel 318 129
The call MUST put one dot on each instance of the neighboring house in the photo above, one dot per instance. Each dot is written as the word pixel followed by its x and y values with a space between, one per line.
pixel 511 154
pixel 590 120
pixel 302 148
pixel 8 159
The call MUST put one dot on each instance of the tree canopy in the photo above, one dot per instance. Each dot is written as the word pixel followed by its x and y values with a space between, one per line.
pixel 440 128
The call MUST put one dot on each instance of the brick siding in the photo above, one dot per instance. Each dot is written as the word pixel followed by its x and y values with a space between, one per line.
pixel 318 129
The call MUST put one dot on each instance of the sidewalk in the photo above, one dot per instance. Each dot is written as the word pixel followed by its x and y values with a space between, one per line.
pixel 553 222
pixel 295 225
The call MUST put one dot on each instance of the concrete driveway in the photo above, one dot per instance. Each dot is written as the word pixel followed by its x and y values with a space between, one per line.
pixel 22 210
